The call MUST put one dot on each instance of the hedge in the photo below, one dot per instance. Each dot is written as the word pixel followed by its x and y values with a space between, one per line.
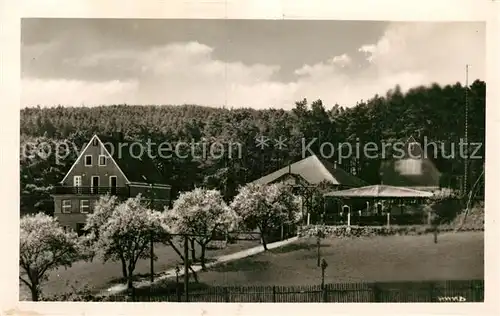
pixel 345 231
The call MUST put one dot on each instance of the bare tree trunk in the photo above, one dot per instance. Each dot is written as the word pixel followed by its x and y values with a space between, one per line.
pixel 263 237
pixel 33 284
pixel 35 292
pixel 193 250
pixel 130 282
pixel 202 257
pixel 130 279
pixel 124 268
pixel 264 244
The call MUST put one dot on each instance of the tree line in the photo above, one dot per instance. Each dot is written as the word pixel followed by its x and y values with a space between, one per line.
pixel 435 112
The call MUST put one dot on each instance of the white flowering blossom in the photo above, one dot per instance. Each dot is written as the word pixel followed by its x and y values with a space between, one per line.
pixel 103 209
pixel 266 207
pixel 123 231
pixel 44 246
pixel 202 214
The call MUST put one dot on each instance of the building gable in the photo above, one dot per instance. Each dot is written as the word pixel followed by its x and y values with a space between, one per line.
pixel 314 170
pixel 413 168
pixel 97 151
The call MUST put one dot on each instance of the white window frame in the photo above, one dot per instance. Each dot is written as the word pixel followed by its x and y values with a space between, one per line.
pixel 64 207
pixel 85 161
pixel 111 187
pixel 80 181
pixel 105 160
pixel 82 206
pixel 111 177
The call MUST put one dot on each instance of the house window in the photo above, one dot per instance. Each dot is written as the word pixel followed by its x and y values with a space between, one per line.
pixel 66 206
pixel 84 206
pixel 88 160
pixel 102 160
pixel 94 142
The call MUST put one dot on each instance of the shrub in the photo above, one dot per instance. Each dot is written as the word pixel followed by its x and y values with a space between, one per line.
pixel 370 231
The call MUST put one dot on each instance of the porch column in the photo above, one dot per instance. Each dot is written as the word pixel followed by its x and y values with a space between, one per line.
pixel 348 216
pixel 388 219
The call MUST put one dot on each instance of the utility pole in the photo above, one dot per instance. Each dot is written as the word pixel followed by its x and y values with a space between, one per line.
pixel 177 289
pixel 324 265
pixel 151 243
pixel 318 246
pixel 466 158
pixel 186 268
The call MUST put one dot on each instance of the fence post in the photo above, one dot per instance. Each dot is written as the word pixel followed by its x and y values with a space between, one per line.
pixel 131 294
pixel 186 268
pixel 324 265
pixel 432 291
pixel 377 293
pixel 324 294
pixel 476 292
pixel 274 294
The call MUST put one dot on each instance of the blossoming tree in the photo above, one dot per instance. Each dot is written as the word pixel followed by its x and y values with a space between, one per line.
pixel 44 246
pixel 266 207
pixel 202 214
pixel 123 231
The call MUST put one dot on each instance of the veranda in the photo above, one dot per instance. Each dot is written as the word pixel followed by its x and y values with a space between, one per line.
pixel 376 205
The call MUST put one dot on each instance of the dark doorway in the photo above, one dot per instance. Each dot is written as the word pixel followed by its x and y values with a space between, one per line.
pixel 95 184
pixel 112 184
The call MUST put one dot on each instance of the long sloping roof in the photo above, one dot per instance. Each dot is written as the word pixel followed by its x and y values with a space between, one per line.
pixel 415 170
pixel 137 168
pixel 380 191
pixel 314 170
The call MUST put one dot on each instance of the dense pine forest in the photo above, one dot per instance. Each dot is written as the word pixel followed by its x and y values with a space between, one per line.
pixel 435 112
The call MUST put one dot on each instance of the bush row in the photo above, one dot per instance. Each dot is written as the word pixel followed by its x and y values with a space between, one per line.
pixel 370 231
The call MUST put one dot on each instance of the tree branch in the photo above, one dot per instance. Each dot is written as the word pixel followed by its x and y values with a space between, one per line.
pixel 26 282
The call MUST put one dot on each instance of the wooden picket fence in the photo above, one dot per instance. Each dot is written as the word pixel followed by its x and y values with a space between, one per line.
pixel 421 291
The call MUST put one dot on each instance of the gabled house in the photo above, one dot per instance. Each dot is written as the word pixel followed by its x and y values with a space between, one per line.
pixel 107 166
pixel 312 171
pixel 412 167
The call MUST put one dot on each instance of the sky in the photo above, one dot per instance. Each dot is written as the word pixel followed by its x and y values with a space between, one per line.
pixel 239 63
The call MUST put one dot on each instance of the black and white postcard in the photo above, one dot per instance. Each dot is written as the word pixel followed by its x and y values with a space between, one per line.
pixel 231 152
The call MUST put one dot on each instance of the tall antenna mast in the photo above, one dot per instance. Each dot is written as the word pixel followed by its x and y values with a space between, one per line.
pixel 466 158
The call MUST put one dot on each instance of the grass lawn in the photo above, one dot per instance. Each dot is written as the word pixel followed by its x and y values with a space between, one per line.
pixel 396 258
pixel 99 275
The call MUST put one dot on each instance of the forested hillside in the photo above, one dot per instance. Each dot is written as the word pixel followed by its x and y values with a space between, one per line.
pixel 435 112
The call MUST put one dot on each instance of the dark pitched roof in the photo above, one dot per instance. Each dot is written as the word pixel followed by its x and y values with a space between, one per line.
pixel 414 169
pixel 136 167
pixel 314 170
